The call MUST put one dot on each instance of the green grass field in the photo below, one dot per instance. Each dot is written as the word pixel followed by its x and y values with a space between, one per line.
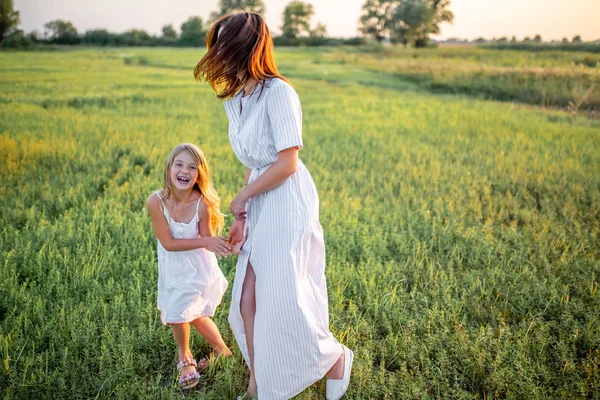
pixel 463 235
pixel 552 79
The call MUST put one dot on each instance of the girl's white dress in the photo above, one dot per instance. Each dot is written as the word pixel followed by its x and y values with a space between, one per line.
pixel 190 283
pixel 293 346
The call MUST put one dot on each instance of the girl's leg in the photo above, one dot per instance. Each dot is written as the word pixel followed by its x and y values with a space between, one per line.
pixel 181 333
pixel 209 331
pixel 248 310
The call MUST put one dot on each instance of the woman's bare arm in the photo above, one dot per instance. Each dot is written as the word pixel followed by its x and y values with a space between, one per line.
pixel 275 175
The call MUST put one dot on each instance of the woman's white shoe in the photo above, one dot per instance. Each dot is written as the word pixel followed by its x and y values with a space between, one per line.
pixel 337 387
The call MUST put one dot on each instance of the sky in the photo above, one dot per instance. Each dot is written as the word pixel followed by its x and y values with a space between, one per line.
pixel 552 19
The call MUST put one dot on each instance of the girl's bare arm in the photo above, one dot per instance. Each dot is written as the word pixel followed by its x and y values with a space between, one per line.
pixel 163 233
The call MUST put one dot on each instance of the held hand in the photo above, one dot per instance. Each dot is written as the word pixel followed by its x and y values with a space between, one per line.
pixel 238 208
pixel 236 237
pixel 237 248
pixel 236 232
pixel 218 245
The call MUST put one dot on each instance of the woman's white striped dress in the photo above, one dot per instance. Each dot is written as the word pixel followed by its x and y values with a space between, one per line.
pixel 293 347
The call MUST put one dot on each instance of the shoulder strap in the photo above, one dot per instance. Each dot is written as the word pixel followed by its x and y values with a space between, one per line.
pixel 198 204
pixel 165 211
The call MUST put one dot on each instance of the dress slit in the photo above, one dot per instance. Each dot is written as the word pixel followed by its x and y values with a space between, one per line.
pixel 248 264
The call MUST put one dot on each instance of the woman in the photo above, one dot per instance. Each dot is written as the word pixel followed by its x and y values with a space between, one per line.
pixel 279 311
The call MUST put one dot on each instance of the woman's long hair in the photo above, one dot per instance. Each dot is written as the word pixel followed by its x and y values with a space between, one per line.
pixel 203 184
pixel 239 47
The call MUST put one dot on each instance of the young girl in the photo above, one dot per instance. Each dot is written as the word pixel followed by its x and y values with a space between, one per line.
pixel 185 215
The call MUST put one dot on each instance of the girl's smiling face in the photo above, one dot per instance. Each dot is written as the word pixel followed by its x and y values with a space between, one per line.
pixel 184 172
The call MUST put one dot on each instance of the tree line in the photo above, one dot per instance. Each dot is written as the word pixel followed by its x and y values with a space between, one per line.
pixel 297 29
pixel 407 22
pixel 399 21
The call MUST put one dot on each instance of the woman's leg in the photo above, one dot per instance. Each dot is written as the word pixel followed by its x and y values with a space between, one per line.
pixel 337 371
pixel 248 310
pixel 209 331
pixel 181 333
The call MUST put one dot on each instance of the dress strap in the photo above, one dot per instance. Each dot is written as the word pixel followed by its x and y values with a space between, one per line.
pixel 198 204
pixel 165 211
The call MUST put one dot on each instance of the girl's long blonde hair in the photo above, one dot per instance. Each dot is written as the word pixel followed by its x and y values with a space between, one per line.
pixel 203 184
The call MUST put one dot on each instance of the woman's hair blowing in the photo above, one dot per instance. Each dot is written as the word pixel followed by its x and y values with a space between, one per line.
pixel 239 47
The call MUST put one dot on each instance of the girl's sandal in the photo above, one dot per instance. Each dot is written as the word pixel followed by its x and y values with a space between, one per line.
pixel 205 362
pixel 190 380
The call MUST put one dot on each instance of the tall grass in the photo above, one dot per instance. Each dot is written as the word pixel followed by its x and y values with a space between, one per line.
pixel 544 78
pixel 462 235
pixel 586 47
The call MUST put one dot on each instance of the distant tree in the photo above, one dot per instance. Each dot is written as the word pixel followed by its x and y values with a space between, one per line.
pixel 169 33
pixel 480 40
pixel 193 32
pixel 415 20
pixel 34 36
pixel 226 6
pixel 537 38
pixel 319 31
pixel 98 37
pixel 565 40
pixel 61 32
pixel 403 21
pixel 503 39
pixel 513 39
pixel 17 39
pixel 576 39
pixel 9 18
pixel 374 22
pixel 526 39
pixel 296 19
pixel 135 37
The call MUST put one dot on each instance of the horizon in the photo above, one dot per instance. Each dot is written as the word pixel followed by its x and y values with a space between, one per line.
pixel 552 19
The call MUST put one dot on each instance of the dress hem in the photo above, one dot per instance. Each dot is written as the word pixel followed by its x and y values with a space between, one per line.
pixel 210 315
pixel 323 375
